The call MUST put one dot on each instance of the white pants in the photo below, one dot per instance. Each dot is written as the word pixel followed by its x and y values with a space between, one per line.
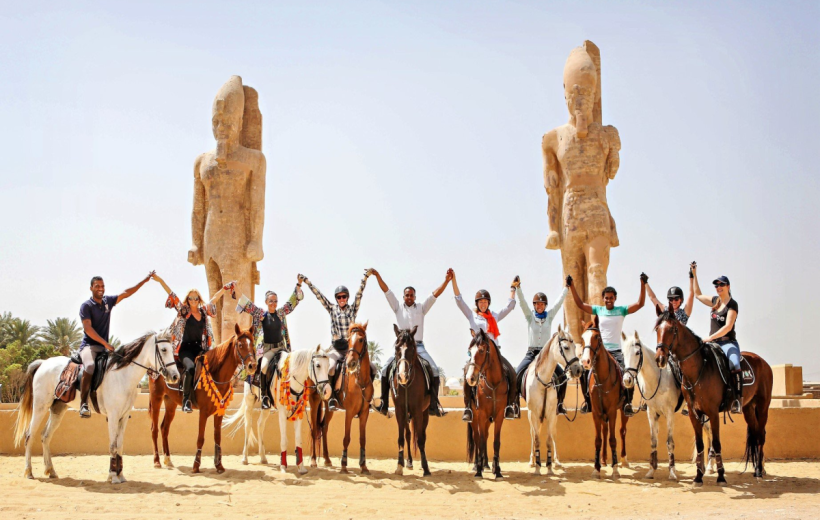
pixel 422 352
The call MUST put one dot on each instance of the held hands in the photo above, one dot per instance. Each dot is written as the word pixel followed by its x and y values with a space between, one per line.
pixel 516 282
pixel 230 286
pixel 150 275
pixel 569 281
pixel 449 276
pixel 644 278
pixel 693 269
pixel 301 278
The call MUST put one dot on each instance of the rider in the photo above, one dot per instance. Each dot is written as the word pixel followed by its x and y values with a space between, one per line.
pixel 272 327
pixel 724 316
pixel 408 315
pixel 610 323
pixel 539 322
pixel 342 316
pixel 482 318
pixel 95 315
pixel 191 333
pixel 675 297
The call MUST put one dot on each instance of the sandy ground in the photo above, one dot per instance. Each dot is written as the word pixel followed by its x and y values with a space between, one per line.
pixel 790 490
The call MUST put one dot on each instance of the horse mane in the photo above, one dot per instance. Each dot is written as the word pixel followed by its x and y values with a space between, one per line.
pixel 669 316
pixel 217 356
pixel 129 352
pixel 299 361
pixel 542 358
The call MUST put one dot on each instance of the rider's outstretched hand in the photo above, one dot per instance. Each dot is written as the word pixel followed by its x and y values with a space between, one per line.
pixel 644 278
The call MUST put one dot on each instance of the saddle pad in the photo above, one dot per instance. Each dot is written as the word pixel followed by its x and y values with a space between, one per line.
pixel 67 386
pixel 748 372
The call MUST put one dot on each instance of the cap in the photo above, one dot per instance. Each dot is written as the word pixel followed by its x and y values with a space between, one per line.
pixel 721 279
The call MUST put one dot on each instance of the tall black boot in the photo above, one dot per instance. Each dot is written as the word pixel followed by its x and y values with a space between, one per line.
pixel 384 405
pixel 468 412
pixel 187 384
pixel 561 389
pixel 85 389
pixel 587 406
pixel 264 389
pixel 334 404
pixel 512 411
pixel 737 404
pixel 629 411
pixel 435 407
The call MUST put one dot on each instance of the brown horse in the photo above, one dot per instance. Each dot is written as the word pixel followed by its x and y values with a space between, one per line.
pixel 212 396
pixel 356 392
pixel 606 395
pixel 319 419
pixel 485 373
pixel 411 399
pixel 703 388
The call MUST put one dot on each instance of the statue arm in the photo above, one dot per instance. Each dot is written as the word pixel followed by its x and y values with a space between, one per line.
pixel 552 183
pixel 198 216
pixel 613 158
pixel 257 205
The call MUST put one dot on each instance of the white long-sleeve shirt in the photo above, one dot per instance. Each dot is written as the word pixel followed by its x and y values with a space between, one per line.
pixel 539 330
pixel 478 322
pixel 409 317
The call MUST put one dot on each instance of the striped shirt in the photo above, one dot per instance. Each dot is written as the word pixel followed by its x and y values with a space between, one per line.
pixel 340 319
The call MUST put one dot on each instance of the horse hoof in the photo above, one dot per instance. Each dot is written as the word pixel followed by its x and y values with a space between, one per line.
pixel 220 470
pixel 550 473
pixel 343 470
pixel 167 462
pixel 426 473
pixel 50 473
pixel 328 464
pixel 624 463
pixel 722 482
pixel 499 476
pixel 557 464
pixel 615 474
pixel 478 475
pixel 122 479
pixel 365 471
pixel 532 464
pixel 261 461
pixel 283 469
pixel 410 466
pixel 537 470
pixel 157 465
pixel 697 484
pixel 28 473
pixel 673 476
pixel 399 470
pixel 302 470
pixel 650 475
pixel 596 473
pixel 245 462
pixel 195 470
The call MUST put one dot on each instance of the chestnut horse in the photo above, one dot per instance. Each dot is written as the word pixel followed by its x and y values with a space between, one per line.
pixel 606 395
pixel 411 399
pixel 485 373
pixel 221 363
pixel 703 388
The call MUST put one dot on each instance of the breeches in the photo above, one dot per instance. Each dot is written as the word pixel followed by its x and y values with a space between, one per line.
pixel 88 355
pixel 422 352
pixel 732 351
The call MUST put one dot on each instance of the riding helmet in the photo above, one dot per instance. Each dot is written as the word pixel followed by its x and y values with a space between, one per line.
pixel 341 290
pixel 674 292
pixel 483 294
pixel 539 298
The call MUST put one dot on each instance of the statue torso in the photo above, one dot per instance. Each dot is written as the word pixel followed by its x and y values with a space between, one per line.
pixel 582 160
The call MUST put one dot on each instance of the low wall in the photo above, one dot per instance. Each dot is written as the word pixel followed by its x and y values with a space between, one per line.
pixel 792 433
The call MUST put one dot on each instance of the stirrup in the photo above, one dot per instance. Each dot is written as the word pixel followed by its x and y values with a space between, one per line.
pixel 437 411
pixel 561 410
pixel 737 407
pixel 85 413
pixel 333 405
pixel 509 413
pixel 382 408
pixel 584 408
pixel 628 410
pixel 186 406
pixel 468 415
pixel 266 402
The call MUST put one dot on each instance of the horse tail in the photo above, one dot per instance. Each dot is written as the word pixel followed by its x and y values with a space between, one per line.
pixel 470 443
pixel 237 421
pixel 26 406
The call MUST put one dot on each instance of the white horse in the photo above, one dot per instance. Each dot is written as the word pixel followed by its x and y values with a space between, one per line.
pixel 115 396
pixel 661 393
pixel 307 368
pixel 542 396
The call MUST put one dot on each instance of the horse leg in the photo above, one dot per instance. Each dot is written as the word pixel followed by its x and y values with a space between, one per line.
pixel 113 431
pixel 400 418
pixel 363 415
pixel 165 429
pixel 325 426
pixel 315 429
pixel 762 419
pixel 599 429
pixel 248 402
pixel 653 417
pixel 39 412
pixel 498 423
pixel 613 441
pixel 153 412
pixel 218 444
pixel 624 420
pixel 200 440
pixel 283 438
pixel 346 440
pixel 408 437
pixel 58 410
pixel 297 433
pixel 699 446
pixel 479 462
pixel 715 421
pixel 750 455
pixel 670 441
pixel 710 463
pixel 422 436
pixel 535 441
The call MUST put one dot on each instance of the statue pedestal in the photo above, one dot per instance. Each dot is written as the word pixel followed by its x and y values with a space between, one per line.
pixel 788 380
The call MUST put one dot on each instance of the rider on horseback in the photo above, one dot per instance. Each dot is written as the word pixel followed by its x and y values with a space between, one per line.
pixel 539 322
pixel 95 315
pixel 191 333
pixel 342 316
pixel 272 326
pixel 723 316
pixel 482 318
pixel 408 315
pixel 611 323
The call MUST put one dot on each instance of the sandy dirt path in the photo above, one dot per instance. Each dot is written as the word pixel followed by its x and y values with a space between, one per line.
pixel 790 490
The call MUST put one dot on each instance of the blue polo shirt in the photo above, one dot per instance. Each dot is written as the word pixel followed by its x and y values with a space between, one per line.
pixel 100 316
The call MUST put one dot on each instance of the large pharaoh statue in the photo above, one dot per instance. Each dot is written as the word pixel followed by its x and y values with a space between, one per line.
pixel 229 200
pixel 580 158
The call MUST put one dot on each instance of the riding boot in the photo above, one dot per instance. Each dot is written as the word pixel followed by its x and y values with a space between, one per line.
pixel 85 389
pixel 435 407
pixel 737 404
pixel 562 393
pixel 384 405
pixel 587 406
pixel 187 385
pixel 333 404
pixel 629 411
pixel 264 389
pixel 512 410
pixel 468 412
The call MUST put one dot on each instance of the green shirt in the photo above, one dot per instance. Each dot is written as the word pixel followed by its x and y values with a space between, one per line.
pixel 611 323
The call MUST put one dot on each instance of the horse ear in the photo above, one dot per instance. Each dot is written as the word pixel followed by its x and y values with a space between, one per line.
pixel 623 336
pixel 396 329
pixel 413 330
pixel 636 336
pixel 252 331
pixel 237 330
pixel 658 310
pixel 472 333
pixel 364 326
pixel 560 331
pixel 318 348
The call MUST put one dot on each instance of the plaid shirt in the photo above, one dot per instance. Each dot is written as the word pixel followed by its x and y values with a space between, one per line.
pixel 340 319
pixel 259 314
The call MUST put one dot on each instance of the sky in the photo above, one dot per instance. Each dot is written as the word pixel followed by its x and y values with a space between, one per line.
pixel 406 137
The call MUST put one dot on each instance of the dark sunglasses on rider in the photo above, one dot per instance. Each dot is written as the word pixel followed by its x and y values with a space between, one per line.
pixel 194 298
pixel 675 299
pixel 721 284
pixel 342 297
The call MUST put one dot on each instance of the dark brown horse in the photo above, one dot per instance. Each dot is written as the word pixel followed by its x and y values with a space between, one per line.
pixel 212 395
pixel 319 416
pixel 704 388
pixel 485 373
pixel 411 399
pixel 356 392
pixel 606 395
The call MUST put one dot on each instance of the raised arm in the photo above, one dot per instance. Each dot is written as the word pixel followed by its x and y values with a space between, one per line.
pixel 653 299
pixel 581 305
pixel 690 300
pixel 198 216
pixel 702 298
pixel 523 302
pixel 635 307
pixel 164 285
pixel 294 299
pixel 462 305
pixel 447 278
pixel 558 305
pixel 319 296
pixel 257 210
pixel 130 292
pixel 358 301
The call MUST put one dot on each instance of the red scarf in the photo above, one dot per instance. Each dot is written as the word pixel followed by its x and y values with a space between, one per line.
pixel 492 325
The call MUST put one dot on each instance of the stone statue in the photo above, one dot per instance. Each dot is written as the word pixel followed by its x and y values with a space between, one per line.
pixel 229 201
pixel 580 158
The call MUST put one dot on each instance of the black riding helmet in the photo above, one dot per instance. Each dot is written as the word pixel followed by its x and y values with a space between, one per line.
pixel 483 294
pixel 539 298
pixel 674 292
pixel 341 290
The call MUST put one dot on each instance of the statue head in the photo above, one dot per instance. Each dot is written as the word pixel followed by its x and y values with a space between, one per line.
pixel 582 89
pixel 229 105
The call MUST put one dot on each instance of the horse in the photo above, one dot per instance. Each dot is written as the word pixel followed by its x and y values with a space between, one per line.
pixel 542 396
pixel 606 394
pixel 307 369
pixel 212 396
pixel 411 399
pixel 356 392
pixel 703 388
pixel 485 372
pixel 124 370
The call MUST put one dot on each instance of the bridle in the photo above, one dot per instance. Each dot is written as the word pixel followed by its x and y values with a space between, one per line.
pixel 690 387
pixel 567 363
pixel 352 351
pixel 594 363
pixel 160 368
pixel 403 361
pixel 635 371
pixel 319 385
pixel 482 370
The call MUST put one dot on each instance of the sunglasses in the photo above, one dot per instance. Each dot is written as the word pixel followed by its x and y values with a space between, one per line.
pixel 342 297
pixel 194 298
pixel 273 302
pixel 676 299
pixel 720 284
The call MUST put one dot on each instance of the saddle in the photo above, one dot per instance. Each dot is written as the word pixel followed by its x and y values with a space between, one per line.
pixel 197 377
pixel 70 392
pixel 69 382
pixel 714 351
pixel 426 369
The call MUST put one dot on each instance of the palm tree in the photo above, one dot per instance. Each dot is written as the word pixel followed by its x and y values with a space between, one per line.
pixel 375 353
pixel 64 334
pixel 5 321
pixel 21 330
pixel 115 342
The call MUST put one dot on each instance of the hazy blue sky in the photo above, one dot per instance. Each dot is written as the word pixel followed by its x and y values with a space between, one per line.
pixel 406 136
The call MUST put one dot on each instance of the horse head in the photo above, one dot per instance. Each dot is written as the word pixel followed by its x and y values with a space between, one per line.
pixel 479 357
pixel 164 359
pixel 405 353
pixel 566 347
pixel 245 349
pixel 357 351
pixel 667 329
pixel 633 358
pixel 318 372
pixel 592 342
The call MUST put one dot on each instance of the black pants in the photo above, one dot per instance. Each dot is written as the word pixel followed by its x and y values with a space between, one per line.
pixel 188 353
pixel 558 376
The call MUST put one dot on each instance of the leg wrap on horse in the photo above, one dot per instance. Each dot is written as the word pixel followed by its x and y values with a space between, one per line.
pixel 217 455
pixel 362 458
pixel 653 460
pixel 298 456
